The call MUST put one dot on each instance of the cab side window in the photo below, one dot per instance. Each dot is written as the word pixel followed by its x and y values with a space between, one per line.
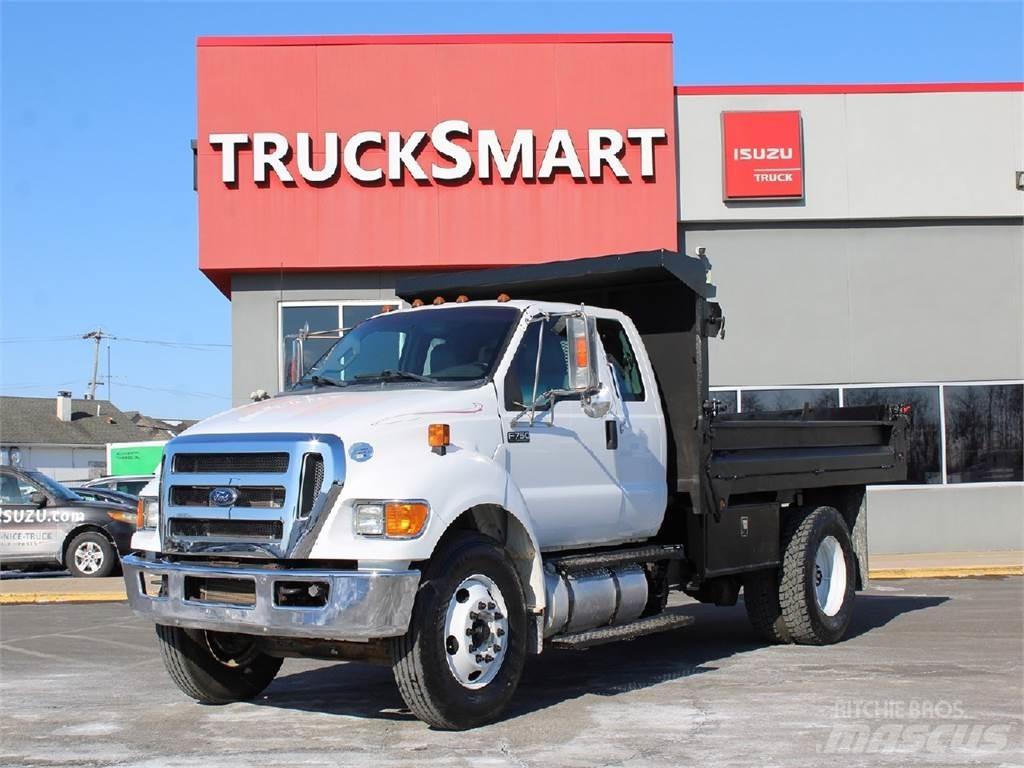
pixel 622 359
pixel 15 491
pixel 554 366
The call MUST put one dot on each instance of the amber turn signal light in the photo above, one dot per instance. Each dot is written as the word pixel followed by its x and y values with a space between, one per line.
pixel 405 519
pixel 140 513
pixel 581 352
pixel 439 435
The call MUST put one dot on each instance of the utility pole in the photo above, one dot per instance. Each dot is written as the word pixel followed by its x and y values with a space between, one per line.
pixel 98 335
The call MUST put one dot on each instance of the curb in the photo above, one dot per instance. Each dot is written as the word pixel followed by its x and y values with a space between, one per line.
pixel 951 572
pixel 39 598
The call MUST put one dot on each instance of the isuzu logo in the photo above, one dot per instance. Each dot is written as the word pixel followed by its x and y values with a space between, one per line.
pixel 459 152
pixel 223 497
pixel 762 153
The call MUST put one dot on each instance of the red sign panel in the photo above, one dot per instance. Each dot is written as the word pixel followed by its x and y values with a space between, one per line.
pixel 763 155
pixel 432 152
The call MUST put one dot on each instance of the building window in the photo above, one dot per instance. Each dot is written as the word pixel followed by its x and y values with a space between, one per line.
pixel 984 426
pixel 728 397
pixel 756 400
pixel 320 324
pixel 622 358
pixel 924 459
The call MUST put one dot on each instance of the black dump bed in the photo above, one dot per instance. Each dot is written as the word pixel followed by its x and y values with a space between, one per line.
pixel 667 296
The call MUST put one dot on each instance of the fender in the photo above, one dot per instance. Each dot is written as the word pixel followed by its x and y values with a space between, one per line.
pixel 452 484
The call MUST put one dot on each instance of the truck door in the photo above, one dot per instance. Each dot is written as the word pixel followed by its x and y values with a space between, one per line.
pixel 561 463
pixel 641 451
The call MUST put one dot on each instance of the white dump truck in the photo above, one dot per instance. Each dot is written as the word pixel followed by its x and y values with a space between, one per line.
pixel 476 478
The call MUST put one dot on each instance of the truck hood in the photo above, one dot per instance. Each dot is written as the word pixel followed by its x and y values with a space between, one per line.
pixel 345 413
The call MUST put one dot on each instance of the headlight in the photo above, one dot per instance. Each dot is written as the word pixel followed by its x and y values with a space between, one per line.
pixel 147 512
pixel 123 517
pixel 394 519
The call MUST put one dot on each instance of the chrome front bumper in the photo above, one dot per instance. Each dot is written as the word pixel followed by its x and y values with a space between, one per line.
pixel 360 605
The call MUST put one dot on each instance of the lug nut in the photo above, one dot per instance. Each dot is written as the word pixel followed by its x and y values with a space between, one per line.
pixel 497 648
pixel 488 658
pixel 500 632
pixel 490 606
pixel 481 605
pixel 474 615
pixel 469 632
pixel 479 658
pixel 498 615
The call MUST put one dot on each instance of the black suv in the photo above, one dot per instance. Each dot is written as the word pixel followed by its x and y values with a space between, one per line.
pixel 42 523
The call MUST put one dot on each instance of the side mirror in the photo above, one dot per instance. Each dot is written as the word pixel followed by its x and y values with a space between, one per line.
pixel 581 332
pixel 38 498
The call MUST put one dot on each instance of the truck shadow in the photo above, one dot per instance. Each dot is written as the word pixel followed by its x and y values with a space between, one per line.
pixel 361 690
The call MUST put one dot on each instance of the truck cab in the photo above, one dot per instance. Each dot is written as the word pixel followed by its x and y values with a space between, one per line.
pixel 457 484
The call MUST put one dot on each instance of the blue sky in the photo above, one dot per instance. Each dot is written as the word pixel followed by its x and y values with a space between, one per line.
pixel 98 217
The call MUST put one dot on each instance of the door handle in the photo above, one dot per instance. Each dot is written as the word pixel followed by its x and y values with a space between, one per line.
pixel 611 434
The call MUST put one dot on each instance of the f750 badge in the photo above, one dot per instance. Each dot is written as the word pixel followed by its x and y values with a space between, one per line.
pixel 520 436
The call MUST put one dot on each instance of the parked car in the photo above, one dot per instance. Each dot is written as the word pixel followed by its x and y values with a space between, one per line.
pixel 104 494
pixel 124 483
pixel 44 523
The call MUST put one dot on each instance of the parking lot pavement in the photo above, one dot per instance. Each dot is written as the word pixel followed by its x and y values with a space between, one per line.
pixel 931 675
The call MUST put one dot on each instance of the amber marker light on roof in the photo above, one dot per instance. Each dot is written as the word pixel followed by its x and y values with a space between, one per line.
pixel 438 300
pixel 418 303
pixel 503 297
pixel 462 298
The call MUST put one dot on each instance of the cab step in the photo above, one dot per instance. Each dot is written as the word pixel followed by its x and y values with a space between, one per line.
pixel 590 561
pixel 579 641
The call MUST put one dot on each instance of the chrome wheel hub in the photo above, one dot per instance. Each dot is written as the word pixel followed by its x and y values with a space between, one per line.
pixel 476 631
pixel 829 576
pixel 88 557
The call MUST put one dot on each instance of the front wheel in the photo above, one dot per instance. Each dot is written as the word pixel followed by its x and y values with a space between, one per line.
pixel 460 662
pixel 215 667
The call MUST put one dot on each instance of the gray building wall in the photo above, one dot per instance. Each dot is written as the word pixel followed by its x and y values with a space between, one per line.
pixel 867 302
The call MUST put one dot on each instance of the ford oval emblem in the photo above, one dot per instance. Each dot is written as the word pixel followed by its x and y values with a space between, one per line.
pixel 223 497
pixel 361 451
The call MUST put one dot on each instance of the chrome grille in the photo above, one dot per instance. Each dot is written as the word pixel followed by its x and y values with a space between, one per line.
pixel 263 497
pixel 194 528
pixel 231 462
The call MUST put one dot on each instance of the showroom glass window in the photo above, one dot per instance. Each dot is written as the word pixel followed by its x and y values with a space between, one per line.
pixel 728 397
pixel 924 459
pixel 757 400
pixel 984 426
pixel 317 318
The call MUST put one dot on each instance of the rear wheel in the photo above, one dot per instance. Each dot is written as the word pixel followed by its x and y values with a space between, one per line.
pixel 215 667
pixel 818 573
pixel 461 660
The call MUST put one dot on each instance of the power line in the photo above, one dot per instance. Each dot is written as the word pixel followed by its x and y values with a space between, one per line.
pixel 193 345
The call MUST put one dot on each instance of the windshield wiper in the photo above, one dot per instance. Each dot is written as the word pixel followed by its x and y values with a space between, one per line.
pixel 324 381
pixel 390 375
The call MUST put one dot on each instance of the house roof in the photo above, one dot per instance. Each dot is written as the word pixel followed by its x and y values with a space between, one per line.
pixel 33 421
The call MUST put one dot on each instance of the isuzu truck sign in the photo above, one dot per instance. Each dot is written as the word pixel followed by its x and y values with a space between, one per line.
pixel 458 154
pixel 763 155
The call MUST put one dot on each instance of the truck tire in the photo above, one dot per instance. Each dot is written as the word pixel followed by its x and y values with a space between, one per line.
pixel 818 575
pixel 90 555
pixel 761 598
pixel 215 667
pixel 459 664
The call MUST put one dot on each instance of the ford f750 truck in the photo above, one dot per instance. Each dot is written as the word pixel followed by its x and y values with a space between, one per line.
pixel 524 458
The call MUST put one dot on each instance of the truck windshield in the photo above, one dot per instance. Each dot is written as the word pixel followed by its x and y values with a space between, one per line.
pixel 432 345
